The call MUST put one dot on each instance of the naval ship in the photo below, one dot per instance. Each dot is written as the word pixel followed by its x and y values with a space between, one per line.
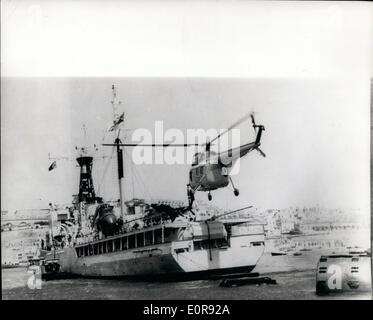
pixel 138 238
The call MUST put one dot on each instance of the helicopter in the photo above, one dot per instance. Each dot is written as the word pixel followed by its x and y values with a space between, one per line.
pixel 210 170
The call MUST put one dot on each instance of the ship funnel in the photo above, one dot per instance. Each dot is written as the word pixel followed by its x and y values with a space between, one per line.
pixel 86 188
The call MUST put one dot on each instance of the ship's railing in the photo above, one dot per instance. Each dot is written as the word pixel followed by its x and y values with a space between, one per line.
pixel 129 227
pixel 136 239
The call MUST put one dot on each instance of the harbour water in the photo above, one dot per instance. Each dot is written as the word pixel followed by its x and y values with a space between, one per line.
pixel 295 276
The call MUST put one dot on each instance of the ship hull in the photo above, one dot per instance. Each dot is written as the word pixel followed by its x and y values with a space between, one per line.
pixel 165 261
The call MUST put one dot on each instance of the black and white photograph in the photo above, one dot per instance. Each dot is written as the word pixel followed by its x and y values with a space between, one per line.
pixel 186 150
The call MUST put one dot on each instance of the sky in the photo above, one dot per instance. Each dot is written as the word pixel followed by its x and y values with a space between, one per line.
pixel 317 145
pixel 304 68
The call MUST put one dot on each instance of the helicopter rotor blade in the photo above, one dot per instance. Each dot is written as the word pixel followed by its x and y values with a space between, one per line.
pixel 150 144
pixel 253 121
pixel 238 122
pixel 261 152
pixel 207 144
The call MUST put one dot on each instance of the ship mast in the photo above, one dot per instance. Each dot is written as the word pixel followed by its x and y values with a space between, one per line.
pixel 117 119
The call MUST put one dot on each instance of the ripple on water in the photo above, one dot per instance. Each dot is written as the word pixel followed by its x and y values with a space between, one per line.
pixel 291 285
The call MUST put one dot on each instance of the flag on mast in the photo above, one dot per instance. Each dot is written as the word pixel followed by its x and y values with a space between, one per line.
pixel 117 122
pixel 52 166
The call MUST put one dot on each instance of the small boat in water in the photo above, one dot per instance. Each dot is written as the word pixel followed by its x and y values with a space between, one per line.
pixel 278 253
